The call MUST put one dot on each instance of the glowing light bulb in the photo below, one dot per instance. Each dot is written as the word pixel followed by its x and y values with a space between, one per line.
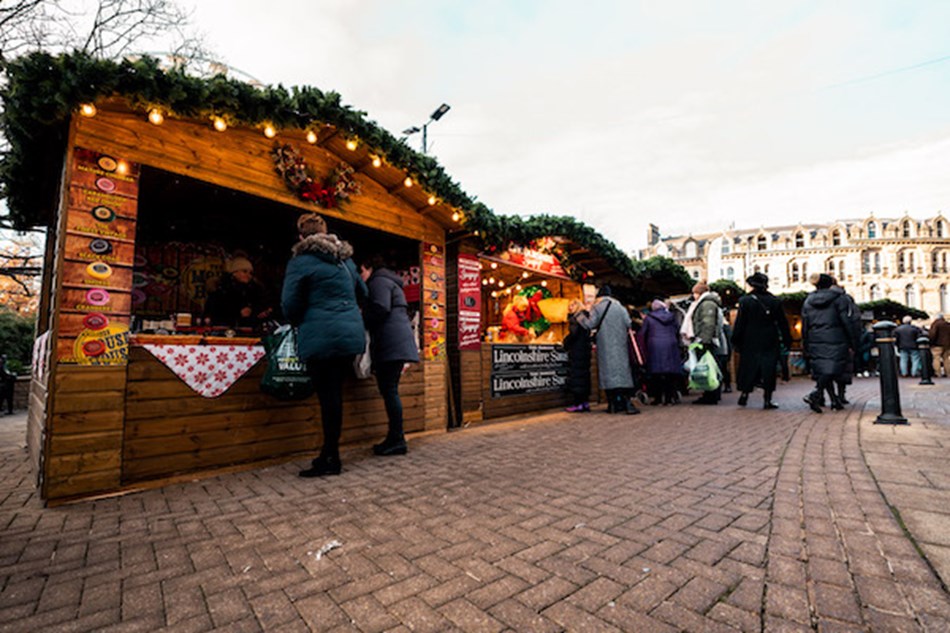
pixel 524 275
pixel 269 131
pixel 407 181
pixel 544 283
pixel 517 286
pixel 484 282
pixel 491 280
pixel 219 124
pixel 155 116
pixel 432 200
pixel 351 145
pixel 494 294
pixel 311 137
pixel 494 265
pixel 455 217
pixel 88 110
pixel 377 161
pixel 590 273
pixel 501 284
pixel 122 168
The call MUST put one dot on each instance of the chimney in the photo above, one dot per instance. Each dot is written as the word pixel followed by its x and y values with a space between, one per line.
pixel 653 234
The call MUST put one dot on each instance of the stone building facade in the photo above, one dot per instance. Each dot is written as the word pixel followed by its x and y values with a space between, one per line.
pixel 903 259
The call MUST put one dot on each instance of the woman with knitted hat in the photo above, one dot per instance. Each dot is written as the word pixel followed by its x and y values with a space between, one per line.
pixel 239 300
pixel 320 297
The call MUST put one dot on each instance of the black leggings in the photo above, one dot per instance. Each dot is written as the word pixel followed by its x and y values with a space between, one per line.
pixel 327 375
pixel 387 380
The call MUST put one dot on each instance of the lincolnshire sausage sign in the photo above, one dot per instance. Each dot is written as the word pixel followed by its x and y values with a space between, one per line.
pixel 522 369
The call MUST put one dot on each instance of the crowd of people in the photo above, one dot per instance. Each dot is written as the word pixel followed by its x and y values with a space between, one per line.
pixel 654 363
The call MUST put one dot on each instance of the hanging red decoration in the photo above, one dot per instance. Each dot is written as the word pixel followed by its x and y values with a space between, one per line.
pixel 328 193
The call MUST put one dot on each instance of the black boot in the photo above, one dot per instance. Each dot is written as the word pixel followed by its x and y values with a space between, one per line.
pixel 620 402
pixel 812 400
pixel 836 403
pixel 391 446
pixel 322 466
pixel 628 407
pixel 767 401
pixel 841 398
pixel 611 401
pixel 743 399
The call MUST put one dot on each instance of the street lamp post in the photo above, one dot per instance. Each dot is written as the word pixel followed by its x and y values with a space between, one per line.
pixel 435 116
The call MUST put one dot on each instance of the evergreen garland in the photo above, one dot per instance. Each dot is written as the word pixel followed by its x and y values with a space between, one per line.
pixel 43 91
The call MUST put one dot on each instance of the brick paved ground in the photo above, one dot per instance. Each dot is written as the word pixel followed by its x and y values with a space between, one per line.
pixel 681 519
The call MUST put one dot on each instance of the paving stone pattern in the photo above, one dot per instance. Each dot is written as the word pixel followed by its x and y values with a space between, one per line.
pixel 684 518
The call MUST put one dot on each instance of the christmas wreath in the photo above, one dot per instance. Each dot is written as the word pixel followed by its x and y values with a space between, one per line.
pixel 534 319
pixel 336 188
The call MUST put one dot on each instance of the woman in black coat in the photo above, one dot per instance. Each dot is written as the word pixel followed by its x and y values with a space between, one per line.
pixel 577 343
pixel 828 338
pixel 761 328
pixel 392 344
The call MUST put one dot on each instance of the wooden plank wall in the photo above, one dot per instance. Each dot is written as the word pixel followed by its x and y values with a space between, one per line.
pixel 84 431
pixel 171 430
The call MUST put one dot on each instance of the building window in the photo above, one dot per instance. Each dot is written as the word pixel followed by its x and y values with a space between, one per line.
pixel 761 243
pixel 902 263
pixel 944 303
pixel 941 229
pixel 730 273
pixel 875 292
pixel 836 238
pixel 795 272
pixel 877 263
pixel 911 267
pixel 726 246
pixel 865 263
pixel 910 296
pixel 872 230
pixel 690 249
pixel 840 271
pixel 799 240
pixel 804 271
pixel 695 274
pixel 905 228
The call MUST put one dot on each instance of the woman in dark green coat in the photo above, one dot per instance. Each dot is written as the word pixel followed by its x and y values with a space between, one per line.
pixel 320 295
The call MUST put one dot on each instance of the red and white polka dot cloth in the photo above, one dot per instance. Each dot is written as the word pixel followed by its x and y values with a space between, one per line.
pixel 208 369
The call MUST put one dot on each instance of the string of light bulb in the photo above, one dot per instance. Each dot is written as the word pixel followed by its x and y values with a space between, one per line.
pixel 156 116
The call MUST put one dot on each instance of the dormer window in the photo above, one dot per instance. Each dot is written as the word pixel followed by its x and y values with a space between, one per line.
pixel 836 238
pixel 690 249
pixel 799 240
pixel 762 243
pixel 872 230
pixel 905 228
pixel 726 246
pixel 941 228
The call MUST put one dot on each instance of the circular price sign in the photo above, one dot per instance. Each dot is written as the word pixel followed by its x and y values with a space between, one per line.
pixel 99 270
pixel 100 246
pixel 103 214
pixel 97 296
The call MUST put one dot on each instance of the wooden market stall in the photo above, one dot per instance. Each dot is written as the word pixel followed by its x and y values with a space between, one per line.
pixel 148 182
pixel 542 262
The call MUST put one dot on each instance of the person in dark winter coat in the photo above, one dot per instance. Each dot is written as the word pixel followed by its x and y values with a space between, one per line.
pixel 239 300
pixel 577 343
pixel 846 377
pixel 611 321
pixel 906 335
pixel 703 325
pixel 659 340
pixel 392 344
pixel 828 338
pixel 761 328
pixel 320 297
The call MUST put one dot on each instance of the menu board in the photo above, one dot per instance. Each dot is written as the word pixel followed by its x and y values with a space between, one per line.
pixel 470 302
pixel 99 252
pixel 433 302
pixel 523 369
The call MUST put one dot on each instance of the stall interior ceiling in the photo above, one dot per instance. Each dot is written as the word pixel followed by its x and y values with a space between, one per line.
pixel 501 280
pixel 183 220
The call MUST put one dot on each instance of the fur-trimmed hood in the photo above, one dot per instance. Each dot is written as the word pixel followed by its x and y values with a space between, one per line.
pixel 327 245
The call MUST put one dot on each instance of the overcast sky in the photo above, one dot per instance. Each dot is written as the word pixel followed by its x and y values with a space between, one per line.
pixel 692 115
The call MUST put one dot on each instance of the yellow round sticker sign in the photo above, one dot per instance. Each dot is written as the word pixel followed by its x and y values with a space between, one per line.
pixel 108 346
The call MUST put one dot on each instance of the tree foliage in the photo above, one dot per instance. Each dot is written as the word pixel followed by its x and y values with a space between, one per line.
pixel 16 339
pixel 729 291
pixel 890 310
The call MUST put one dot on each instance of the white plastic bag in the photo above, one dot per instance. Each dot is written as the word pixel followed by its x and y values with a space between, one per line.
pixel 363 364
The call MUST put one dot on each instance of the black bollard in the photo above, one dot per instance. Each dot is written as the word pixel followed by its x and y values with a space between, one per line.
pixel 887 368
pixel 926 360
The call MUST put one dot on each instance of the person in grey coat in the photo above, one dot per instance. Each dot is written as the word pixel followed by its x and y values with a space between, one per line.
pixel 320 297
pixel 610 320
pixel 392 344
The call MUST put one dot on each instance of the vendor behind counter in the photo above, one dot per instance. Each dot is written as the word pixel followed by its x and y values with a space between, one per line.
pixel 239 300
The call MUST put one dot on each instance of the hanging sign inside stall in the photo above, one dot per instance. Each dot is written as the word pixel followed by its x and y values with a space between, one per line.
pixel 470 302
pixel 433 302
pixel 541 261
pixel 99 253
pixel 522 369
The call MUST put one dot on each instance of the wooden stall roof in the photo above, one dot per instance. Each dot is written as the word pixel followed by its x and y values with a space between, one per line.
pixel 44 92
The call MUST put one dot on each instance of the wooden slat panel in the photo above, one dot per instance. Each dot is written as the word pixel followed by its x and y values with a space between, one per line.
pixel 82 484
pixel 87 422
pixel 72 379
pixel 79 443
